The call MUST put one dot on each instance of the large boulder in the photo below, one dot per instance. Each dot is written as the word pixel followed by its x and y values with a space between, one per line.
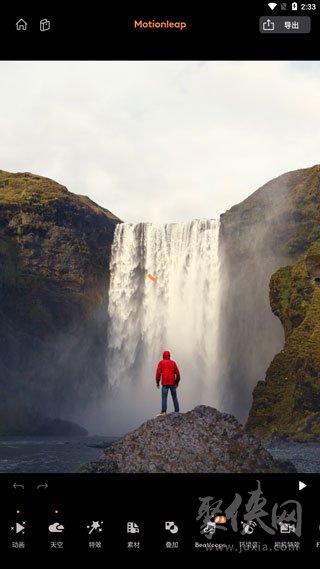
pixel 202 440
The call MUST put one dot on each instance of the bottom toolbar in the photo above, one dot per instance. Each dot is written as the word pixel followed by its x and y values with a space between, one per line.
pixel 172 514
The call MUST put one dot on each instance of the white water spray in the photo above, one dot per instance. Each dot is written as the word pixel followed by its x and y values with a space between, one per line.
pixel 178 312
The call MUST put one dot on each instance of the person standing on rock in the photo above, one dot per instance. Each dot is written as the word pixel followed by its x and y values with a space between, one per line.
pixel 169 375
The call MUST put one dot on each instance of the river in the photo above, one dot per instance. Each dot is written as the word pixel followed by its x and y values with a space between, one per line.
pixel 65 455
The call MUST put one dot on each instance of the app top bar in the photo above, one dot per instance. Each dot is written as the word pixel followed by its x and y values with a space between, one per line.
pixel 261 31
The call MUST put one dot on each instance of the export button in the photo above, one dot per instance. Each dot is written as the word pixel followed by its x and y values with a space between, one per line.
pixel 285 25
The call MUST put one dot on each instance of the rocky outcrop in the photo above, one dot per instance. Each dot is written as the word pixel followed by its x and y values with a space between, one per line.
pixel 287 404
pixel 54 260
pixel 58 428
pixel 202 440
pixel 272 228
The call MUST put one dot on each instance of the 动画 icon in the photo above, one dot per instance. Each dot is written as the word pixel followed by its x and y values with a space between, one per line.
pixel 19 527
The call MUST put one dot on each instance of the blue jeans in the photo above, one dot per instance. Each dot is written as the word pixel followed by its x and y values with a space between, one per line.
pixel 165 389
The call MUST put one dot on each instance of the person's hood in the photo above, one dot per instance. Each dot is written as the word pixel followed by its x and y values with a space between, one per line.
pixel 166 355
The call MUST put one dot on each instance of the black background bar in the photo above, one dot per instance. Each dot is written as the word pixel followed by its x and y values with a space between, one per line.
pixel 228 32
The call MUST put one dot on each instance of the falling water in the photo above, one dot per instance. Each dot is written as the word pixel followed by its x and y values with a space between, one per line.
pixel 178 312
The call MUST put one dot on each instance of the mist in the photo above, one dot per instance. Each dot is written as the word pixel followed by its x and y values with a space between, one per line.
pixel 178 312
pixel 252 247
pixel 210 308
pixel 209 305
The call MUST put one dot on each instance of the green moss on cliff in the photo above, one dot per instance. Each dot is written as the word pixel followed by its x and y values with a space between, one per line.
pixel 287 404
pixel 291 289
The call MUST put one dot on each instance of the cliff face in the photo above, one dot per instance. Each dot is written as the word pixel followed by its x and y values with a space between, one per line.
pixel 54 258
pixel 272 228
pixel 287 404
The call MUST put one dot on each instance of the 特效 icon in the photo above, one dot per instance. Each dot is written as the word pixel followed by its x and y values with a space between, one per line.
pixel 94 526
pixel 268 26
pixel 171 527
pixel 132 527
pixel 21 25
pixel 45 25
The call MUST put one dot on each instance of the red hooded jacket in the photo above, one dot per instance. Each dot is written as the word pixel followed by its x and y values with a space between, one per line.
pixel 168 371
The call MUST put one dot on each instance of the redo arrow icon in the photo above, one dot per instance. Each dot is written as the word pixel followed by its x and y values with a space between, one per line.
pixel 302 485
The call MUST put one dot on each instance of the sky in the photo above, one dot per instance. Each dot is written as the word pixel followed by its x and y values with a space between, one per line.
pixel 160 141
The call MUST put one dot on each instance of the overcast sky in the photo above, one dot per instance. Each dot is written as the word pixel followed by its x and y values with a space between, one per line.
pixel 160 141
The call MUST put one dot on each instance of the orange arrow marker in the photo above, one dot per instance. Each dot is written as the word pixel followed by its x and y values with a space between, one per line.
pixel 153 279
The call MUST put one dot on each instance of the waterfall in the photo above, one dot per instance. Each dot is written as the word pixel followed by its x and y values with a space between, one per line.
pixel 179 312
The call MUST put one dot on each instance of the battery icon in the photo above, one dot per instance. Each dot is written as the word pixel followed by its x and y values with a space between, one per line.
pixel 294 6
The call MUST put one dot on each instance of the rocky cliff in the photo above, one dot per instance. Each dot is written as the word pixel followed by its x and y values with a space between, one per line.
pixel 272 228
pixel 54 256
pixel 287 403
pixel 203 440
